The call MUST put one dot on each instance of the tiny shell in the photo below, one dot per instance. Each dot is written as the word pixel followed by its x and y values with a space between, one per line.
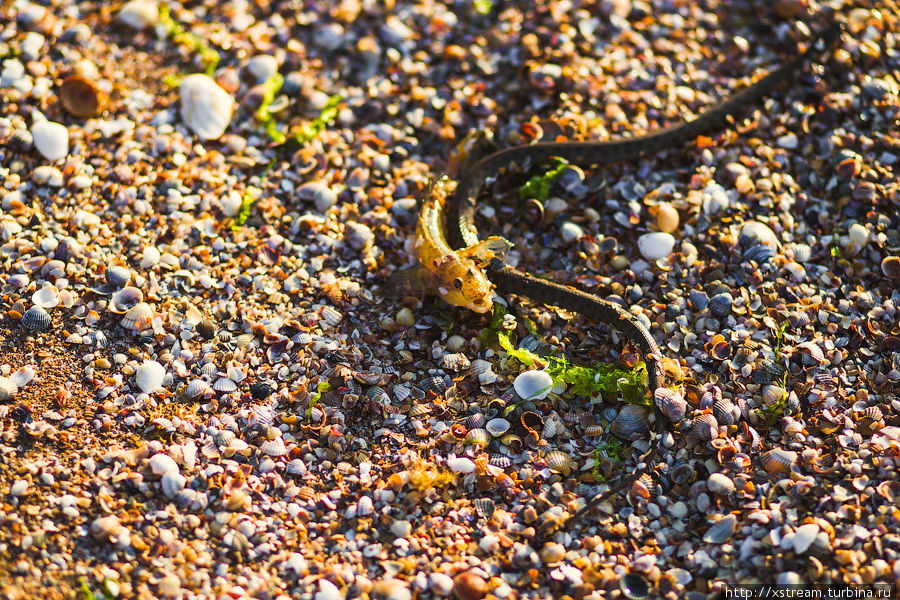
pixel 106 528
pixel 469 586
pixel 666 217
pixel 26 373
pixel 224 384
pixel 51 139
pixel 46 297
pixel 485 507
pixel 205 107
pixel 497 427
pixel 36 319
pixel 149 376
pixel 81 97
pixel 125 299
pixel 559 461
pixel 533 385
pixel 160 464
pixel 632 422
pixel 656 245
pixel 138 317
pixel 778 460
pixel 331 315
pixel 139 14
pixel 890 266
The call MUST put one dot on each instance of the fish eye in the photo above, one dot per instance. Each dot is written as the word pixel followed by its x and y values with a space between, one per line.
pixel 458 283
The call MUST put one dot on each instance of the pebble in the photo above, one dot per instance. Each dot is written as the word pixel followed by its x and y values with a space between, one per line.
pixel 139 14
pixel 262 67
pixel 50 139
pixel 656 245
pixel 571 232
pixel 205 107
pixel 533 385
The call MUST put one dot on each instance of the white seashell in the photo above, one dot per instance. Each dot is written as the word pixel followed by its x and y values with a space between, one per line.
pixel 364 507
pixel 331 315
pixel 106 528
pixel 460 464
pixel 138 317
pixel 656 245
pixel 224 384
pixel 296 467
pixel 51 139
pixel 23 376
pixel 160 464
pixel 8 229
pixel 189 454
pixel 172 483
pixel 46 297
pixel 859 237
pixel 274 447
pixel 804 537
pixel 719 484
pixel 533 385
pixel 479 366
pixel 497 427
pixel 205 107
pixel 196 388
pixel 8 389
pixel 149 376
pixel 235 374
pixel 139 14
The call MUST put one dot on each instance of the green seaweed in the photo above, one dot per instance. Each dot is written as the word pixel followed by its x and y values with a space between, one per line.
pixel 483 7
pixel 311 130
pixel 248 197
pixel 85 593
pixel 270 87
pixel 538 187
pixel 770 413
pixel 323 387
pixel 180 35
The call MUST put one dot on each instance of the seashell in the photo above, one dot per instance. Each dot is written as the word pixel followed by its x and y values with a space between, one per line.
pixel 681 473
pixel 726 412
pixel 666 217
pixel 331 315
pixel 418 410
pixel 36 319
pixel 107 528
pixel 81 97
pixel 593 430
pixel 634 586
pixel 149 376
pixel 138 14
pixel 533 385
pixel 50 139
pixel 720 304
pixel 224 384
pixel 478 436
pixel 205 107
pixel 631 423
pixel 118 276
pixel 500 461
pixel 209 370
pixel 206 328
pixel 225 438
pixel 754 233
pixel 484 507
pixel 8 389
pixel 455 362
pixel 801 252
pixel 497 427
pixel 296 467
pixel 513 442
pixel 434 384
pixel 890 267
pixel 460 464
pixel 185 498
pixel 656 245
pixel 274 447
pixel 138 317
pixel 172 483
pixel 778 460
pixel 559 461
pixel 46 297
pixel 532 421
pixel 475 421
pixel 671 403
pixel 760 253
pixel 773 394
pixel 719 484
pixel 811 354
pixel 722 531
pixel 706 427
pixel 479 366
pixel 160 464
pixel 125 299
pixel 466 586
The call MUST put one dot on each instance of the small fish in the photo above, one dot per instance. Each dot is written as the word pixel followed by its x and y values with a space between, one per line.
pixel 457 276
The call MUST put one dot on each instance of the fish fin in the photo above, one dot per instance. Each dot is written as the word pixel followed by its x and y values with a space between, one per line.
pixel 486 250
pixel 411 281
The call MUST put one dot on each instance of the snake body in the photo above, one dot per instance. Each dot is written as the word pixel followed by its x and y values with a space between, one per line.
pixel 462 232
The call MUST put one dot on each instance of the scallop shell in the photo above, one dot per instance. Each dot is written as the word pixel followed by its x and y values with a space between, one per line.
pixel 497 427
pixel 138 317
pixel 500 461
pixel 46 297
pixel 726 412
pixel 706 427
pixel 455 362
pixel 559 461
pixel 632 422
pixel 778 460
pixel 205 107
pixel 802 252
pixel 434 384
pixel 478 436
pixel 274 447
pixel 224 384
pixel 225 438
pixel 475 421
pixel 36 319
pixel 296 467
pixel 671 404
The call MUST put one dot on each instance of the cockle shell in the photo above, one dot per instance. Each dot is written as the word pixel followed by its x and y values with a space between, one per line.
pixel 671 403
pixel 478 436
pixel 107 528
pixel 497 427
pixel 631 423
pixel 205 107
pixel 706 427
pixel 475 421
pixel 224 384
pixel 36 319
pixel 8 389
pixel 778 460
pixel 138 317
pixel 196 388
pixel 726 412
pixel 559 461
pixel 274 447
pixel 656 245
pixel 125 299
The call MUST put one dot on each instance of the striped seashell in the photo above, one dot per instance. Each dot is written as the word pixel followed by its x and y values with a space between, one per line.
pixel 224 384
pixel 308 494
pixel 772 394
pixel 296 467
pixel 481 464
pixel 418 410
pixel 778 461
pixel 138 317
pixel 210 449
pixel 225 438
pixel 244 339
pixel 476 420
pixel 478 436
pixel 559 461
pixel 631 423
pixel 455 362
pixel 706 427
pixel 479 366
pixel 500 461
pixel 485 507
pixel 593 430
pixel 274 447
pixel 811 354
pixel 726 412
pixel 209 370
pixel 196 388
pixel 671 403
pixel 8 388
pixel 36 319
pixel 331 315
pixel 401 392
pixel 434 384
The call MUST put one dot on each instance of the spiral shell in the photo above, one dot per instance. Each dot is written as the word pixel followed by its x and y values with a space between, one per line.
pixel 778 460
pixel 632 422
pixel 138 317
pixel 36 319
pixel 706 427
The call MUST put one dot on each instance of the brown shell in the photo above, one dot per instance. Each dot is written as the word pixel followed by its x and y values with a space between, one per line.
pixel 81 97
pixel 706 427
pixel 778 460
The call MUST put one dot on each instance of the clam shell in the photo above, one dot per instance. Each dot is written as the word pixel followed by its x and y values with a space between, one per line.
pixel 479 366
pixel 656 245
pixel 726 412
pixel 205 107
pixel 224 384
pixel 36 319
pixel 455 362
pixel 331 315
pixel 722 531
pixel 681 473
pixel 478 436
pixel 559 461
pixel 671 404
pixel 434 384
pixel 274 447
pixel 138 317
pixel 532 421
pixel 778 460
pixel 890 267
pixel 149 376
pixel 46 297
pixel 500 461
pixel 760 253
pixel 296 467
pixel 720 304
pixel 497 427
pixel 118 276
pixel 196 388
pixel 706 427
pixel 631 423
pixel 225 438
pixel 474 421
pixel 772 394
